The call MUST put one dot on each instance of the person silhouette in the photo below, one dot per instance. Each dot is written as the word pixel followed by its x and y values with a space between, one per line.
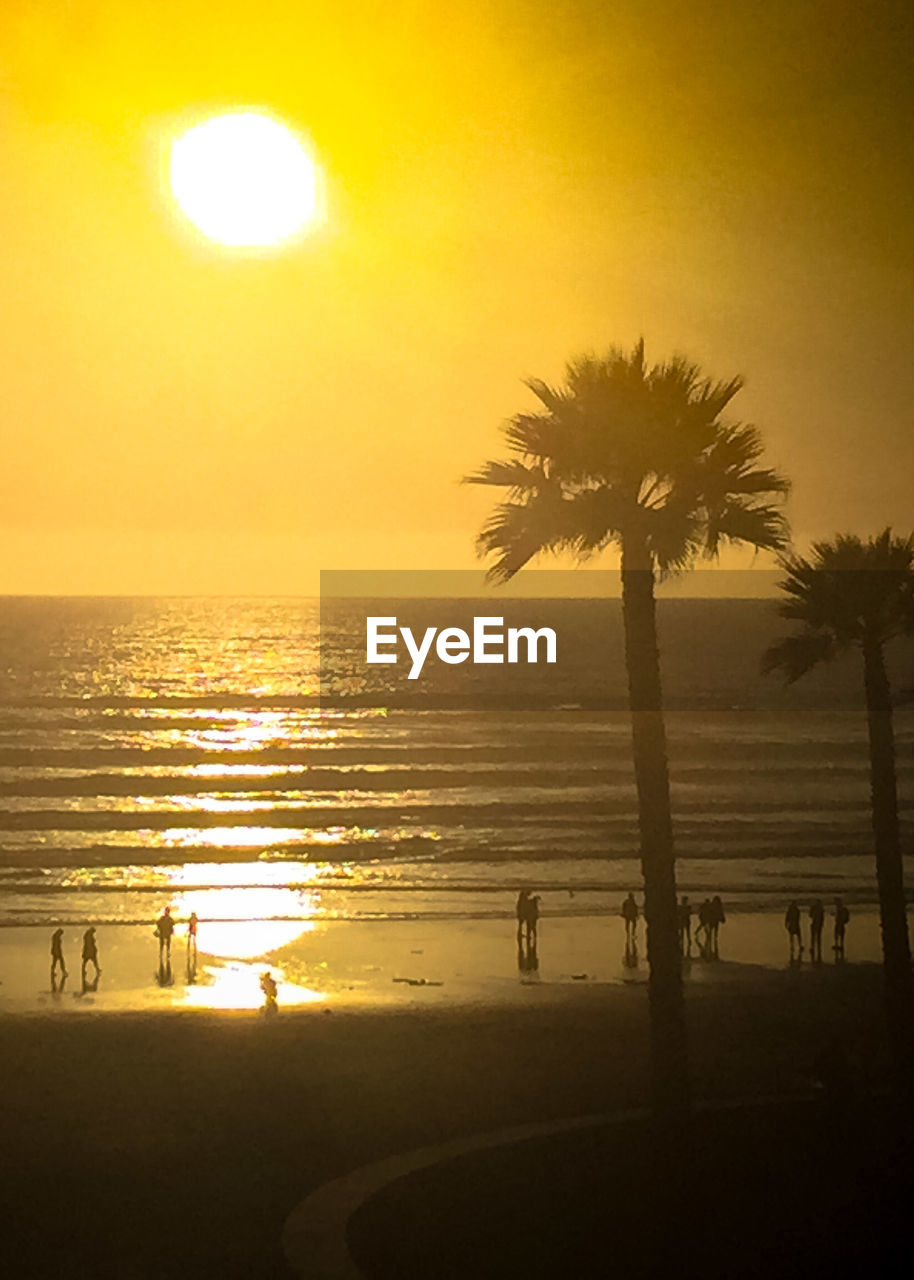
pixel 57 960
pixel 842 916
pixel 192 947
pixel 270 992
pixel 716 917
pixel 521 912
pixel 90 956
pixel 816 923
pixel 629 913
pixel 165 927
pixel 531 919
pixel 685 925
pixel 794 931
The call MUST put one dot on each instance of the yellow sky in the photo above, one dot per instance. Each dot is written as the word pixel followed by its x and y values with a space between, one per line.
pixel 508 184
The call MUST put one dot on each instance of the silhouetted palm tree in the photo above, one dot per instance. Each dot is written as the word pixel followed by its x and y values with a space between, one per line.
pixel 855 594
pixel 636 456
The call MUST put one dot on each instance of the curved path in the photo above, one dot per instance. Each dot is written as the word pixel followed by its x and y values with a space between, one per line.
pixel 314 1238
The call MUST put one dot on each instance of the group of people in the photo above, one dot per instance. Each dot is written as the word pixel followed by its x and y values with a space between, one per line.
pixel 164 930
pixel 794 925
pixel 711 916
pixel 59 971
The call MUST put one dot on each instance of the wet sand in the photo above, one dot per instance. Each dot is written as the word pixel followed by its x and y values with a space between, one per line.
pixel 410 963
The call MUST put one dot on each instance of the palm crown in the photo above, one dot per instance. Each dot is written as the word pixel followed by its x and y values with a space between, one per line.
pixel 627 449
pixel 849 592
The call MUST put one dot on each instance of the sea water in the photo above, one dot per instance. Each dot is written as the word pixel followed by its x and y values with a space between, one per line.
pixel 214 754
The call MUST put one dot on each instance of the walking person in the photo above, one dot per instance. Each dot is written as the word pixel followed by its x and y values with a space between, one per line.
pixel 685 926
pixel 716 917
pixel 703 932
pixel 629 913
pixel 192 947
pixel 842 916
pixel 165 927
pixel 816 924
pixel 521 913
pixel 57 960
pixel 794 931
pixel 90 956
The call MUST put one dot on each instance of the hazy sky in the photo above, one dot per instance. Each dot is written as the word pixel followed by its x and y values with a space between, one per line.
pixel 509 183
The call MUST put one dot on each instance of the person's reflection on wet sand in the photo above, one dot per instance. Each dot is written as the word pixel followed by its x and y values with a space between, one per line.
pixel 164 975
pixel 630 955
pixel 527 958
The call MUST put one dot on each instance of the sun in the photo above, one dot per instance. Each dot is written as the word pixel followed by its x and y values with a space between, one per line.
pixel 245 180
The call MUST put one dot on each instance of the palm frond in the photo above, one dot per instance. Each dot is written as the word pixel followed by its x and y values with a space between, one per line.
pixel 517 531
pixel 509 474
pixel 796 655
pixel 737 520
pixel 598 514
pixel 674 537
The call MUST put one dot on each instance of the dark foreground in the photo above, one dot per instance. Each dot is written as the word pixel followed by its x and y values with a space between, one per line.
pixel 176 1145
pixel 797 1190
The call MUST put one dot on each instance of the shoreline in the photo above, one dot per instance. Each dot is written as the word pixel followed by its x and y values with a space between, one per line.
pixel 421 963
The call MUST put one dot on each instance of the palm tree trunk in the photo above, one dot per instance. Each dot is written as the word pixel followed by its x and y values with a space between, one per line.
pixel 896 949
pixel 669 1053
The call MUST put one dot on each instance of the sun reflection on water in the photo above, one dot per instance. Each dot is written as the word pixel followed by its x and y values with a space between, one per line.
pixel 231 837
pixel 240 928
pixel 237 986
pixel 246 923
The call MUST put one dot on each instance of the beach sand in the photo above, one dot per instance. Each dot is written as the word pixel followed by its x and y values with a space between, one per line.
pixel 341 963
pixel 176 1140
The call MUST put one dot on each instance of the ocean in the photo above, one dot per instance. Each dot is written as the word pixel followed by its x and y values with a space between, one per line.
pixel 220 756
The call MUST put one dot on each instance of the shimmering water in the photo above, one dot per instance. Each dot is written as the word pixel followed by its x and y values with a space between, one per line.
pixel 179 750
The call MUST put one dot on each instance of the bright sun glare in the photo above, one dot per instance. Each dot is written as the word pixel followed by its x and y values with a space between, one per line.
pixel 244 180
